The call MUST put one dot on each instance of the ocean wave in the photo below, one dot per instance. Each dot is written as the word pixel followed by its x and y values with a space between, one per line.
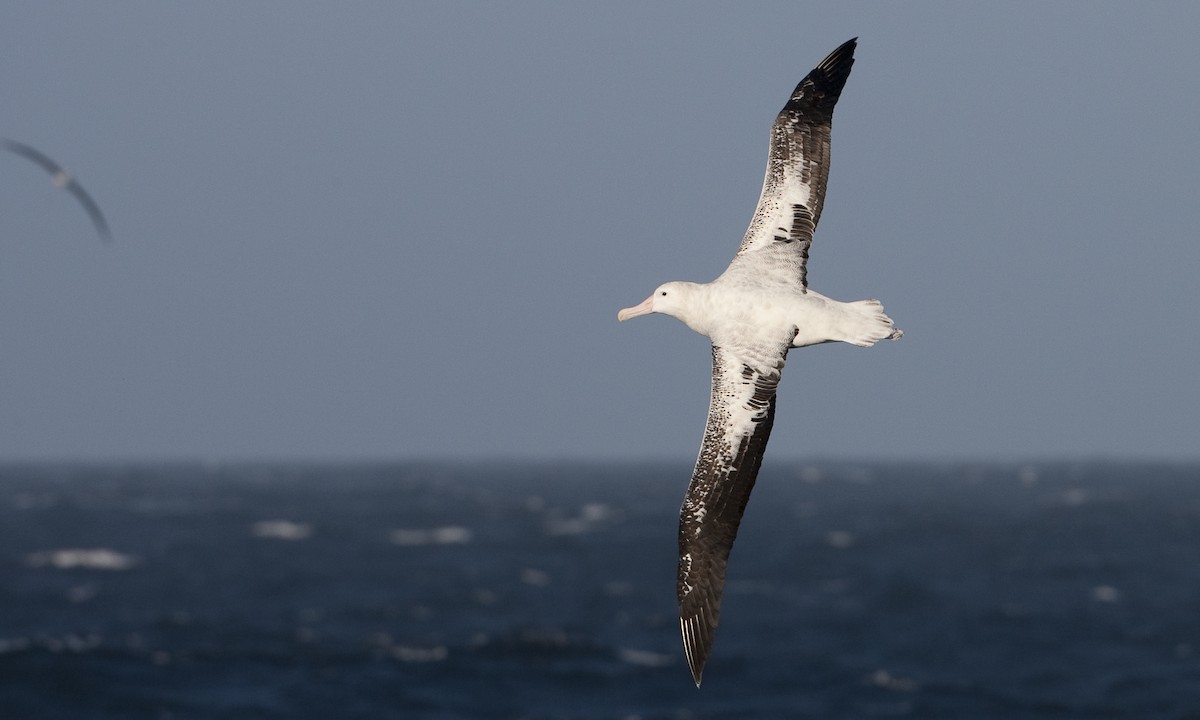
pixel 87 558
pixel 591 516
pixel 448 535
pixel 644 658
pixel 282 530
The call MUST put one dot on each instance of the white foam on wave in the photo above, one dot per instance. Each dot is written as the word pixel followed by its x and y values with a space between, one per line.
pixel 70 642
pixel 644 658
pixel 282 530
pixel 447 535
pixel 591 516
pixel 883 679
pixel 87 558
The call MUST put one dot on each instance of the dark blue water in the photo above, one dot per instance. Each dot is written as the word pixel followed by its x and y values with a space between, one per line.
pixel 547 591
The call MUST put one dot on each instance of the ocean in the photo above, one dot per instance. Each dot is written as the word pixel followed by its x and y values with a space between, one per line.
pixel 546 590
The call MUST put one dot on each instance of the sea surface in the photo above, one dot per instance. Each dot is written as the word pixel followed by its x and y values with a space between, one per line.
pixel 447 591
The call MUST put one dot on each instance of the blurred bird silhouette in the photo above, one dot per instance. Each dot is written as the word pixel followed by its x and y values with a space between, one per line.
pixel 63 179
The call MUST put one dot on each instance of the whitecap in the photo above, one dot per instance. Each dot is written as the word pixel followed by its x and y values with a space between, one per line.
pixel 644 658
pixel 282 530
pixel 88 558
pixel 884 679
pixel 591 515
pixel 81 643
pixel 451 535
pixel 447 535
pixel 595 512
pixel 70 643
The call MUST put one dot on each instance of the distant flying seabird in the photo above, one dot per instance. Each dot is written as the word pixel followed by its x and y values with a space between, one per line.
pixel 757 310
pixel 63 179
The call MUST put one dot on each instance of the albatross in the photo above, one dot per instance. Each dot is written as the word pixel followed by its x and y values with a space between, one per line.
pixel 62 179
pixel 756 311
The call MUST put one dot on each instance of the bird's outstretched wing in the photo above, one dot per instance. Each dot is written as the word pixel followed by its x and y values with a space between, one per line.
pixel 93 210
pixel 34 155
pixel 64 180
pixel 739 422
pixel 798 163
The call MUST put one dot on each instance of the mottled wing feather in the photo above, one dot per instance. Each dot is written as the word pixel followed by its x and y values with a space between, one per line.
pixel 793 192
pixel 735 437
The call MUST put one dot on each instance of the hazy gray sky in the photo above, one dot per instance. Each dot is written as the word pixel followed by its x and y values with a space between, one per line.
pixel 386 230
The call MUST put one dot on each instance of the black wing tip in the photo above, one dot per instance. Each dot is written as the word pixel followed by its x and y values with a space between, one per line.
pixel 93 210
pixel 821 88
pixel 842 52
pixel 697 643
pixel 98 220
pixel 831 73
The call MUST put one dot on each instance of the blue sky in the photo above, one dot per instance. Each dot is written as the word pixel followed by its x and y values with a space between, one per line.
pixel 393 230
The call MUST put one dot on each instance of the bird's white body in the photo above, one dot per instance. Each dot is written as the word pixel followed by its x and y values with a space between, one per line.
pixel 734 313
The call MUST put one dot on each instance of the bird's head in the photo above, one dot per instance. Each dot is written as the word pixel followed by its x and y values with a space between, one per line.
pixel 671 298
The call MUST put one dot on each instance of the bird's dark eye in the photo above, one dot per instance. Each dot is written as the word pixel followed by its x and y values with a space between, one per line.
pixel 663 293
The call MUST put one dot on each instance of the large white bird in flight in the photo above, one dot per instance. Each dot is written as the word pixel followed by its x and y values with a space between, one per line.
pixel 757 310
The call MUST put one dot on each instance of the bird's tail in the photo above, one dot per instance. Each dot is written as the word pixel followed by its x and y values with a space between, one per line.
pixel 869 324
